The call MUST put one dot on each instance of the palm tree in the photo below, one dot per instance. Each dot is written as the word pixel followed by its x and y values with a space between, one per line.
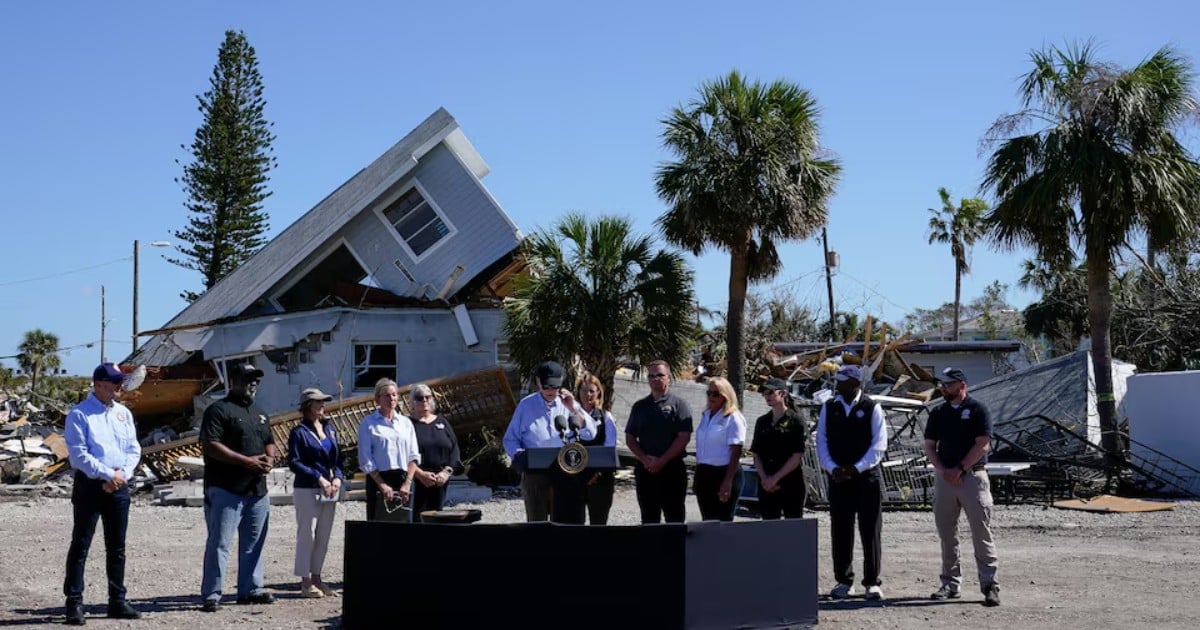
pixel 960 226
pixel 750 173
pixel 600 292
pixel 1091 159
pixel 38 352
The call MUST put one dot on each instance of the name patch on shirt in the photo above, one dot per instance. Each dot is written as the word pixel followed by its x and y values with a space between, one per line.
pixel 966 414
pixel 122 416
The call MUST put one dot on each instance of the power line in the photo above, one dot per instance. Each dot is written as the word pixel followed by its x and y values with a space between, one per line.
pixel 876 293
pixel 66 273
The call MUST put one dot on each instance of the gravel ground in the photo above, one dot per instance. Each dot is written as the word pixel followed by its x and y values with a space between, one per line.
pixel 1059 569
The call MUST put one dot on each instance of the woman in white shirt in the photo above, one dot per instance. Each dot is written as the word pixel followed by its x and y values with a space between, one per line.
pixel 387 450
pixel 719 441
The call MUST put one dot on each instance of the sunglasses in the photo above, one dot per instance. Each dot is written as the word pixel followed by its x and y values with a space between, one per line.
pixel 422 398
pixel 713 394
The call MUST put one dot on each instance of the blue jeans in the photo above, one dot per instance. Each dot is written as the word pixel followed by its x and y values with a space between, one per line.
pixel 224 512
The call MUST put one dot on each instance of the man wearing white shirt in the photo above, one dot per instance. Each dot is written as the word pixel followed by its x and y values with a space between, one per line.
pixel 103 449
pixel 533 426
pixel 851 443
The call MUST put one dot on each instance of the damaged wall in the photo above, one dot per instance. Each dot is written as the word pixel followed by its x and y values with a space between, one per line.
pixel 427 344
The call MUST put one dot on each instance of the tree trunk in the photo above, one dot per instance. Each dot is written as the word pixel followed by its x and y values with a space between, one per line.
pixel 735 318
pixel 1100 321
pixel 957 296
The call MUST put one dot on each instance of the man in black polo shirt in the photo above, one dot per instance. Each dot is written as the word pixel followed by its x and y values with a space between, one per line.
pixel 239 451
pixel 658 431
pixel 958 435
pixel 851 442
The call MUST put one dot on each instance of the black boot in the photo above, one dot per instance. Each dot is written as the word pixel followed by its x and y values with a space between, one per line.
pixel 122 610
pixel 75 614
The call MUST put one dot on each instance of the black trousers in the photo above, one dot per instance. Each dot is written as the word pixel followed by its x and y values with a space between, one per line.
pixel 92 503
pixel 599 497
pixel 568 497
pixel 707 488
pixel 394 478
pixel 861 497
pixel 787 501
pixel 661 495
pixel 426 499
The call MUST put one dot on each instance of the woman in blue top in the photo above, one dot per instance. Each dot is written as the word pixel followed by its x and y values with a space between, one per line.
pixel 316 460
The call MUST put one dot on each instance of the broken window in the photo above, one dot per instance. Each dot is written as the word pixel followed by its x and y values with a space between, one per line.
pixel 373 361
pixel 315 288
pixel 417 222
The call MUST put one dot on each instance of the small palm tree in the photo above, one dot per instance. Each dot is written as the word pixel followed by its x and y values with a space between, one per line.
pixel 750 172
pixel 1092 159
pixel 600 292
pixel 38 352
pixel 960 226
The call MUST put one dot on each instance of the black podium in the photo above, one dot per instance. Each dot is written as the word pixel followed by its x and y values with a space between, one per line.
pixel 746 574
pixel 569 469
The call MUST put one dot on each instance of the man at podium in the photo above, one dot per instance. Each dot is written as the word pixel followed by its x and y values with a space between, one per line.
pixel 547 418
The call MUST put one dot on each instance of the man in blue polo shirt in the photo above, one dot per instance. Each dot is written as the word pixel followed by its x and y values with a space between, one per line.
pixel 958 435
pixel 103 449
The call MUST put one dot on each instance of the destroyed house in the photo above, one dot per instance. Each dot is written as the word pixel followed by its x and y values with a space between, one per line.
pixel 397 273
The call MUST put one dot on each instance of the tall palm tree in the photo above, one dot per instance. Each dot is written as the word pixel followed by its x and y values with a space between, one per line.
pixel 38 352
pixel 1091 159
pixel 750 172
pixel 960 226
pixel 602 293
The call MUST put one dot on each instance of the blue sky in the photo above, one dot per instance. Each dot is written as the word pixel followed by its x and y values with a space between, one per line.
pixel 563 100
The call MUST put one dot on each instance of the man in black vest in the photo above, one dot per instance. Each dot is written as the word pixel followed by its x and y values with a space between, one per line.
pixel 851 442
pixel 958 435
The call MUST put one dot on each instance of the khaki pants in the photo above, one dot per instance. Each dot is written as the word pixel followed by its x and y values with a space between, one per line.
pixel 973 496
pixel 314 523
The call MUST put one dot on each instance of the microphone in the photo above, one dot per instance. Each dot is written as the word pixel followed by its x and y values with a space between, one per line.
pixel 561 425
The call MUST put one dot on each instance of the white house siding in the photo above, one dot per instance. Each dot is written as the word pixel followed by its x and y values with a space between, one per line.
pixel 429 345
pixel 483 234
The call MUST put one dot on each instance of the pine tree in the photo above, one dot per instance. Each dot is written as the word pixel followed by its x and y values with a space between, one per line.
pixel 227 180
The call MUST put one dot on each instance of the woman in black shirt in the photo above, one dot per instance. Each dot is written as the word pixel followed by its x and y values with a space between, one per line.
pixel 780 437
pixel 599 491
pixel 439 451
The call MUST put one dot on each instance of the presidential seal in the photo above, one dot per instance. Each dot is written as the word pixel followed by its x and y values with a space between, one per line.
pixel 573 458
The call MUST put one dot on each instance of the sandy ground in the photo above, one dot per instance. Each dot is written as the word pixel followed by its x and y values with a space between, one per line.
pixel 1059 569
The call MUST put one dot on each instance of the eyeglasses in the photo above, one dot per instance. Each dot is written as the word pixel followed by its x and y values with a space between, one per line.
pixel 663 375
pixel 714 394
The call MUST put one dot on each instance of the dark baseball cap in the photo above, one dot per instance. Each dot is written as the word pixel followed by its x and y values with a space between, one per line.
pixel 952 375
pixel 244 372
pixel 775 384
pixel 849 372
pixel 550 374
pixel 109 373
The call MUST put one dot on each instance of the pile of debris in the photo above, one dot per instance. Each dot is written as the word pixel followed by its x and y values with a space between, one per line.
pixel 31 452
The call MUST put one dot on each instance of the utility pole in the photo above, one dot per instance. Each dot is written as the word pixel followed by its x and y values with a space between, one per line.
pixel 133 348
pixel 830 263
pixel 103 324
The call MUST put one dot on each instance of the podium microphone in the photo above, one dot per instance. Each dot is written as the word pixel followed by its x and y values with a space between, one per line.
pixel 561 425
